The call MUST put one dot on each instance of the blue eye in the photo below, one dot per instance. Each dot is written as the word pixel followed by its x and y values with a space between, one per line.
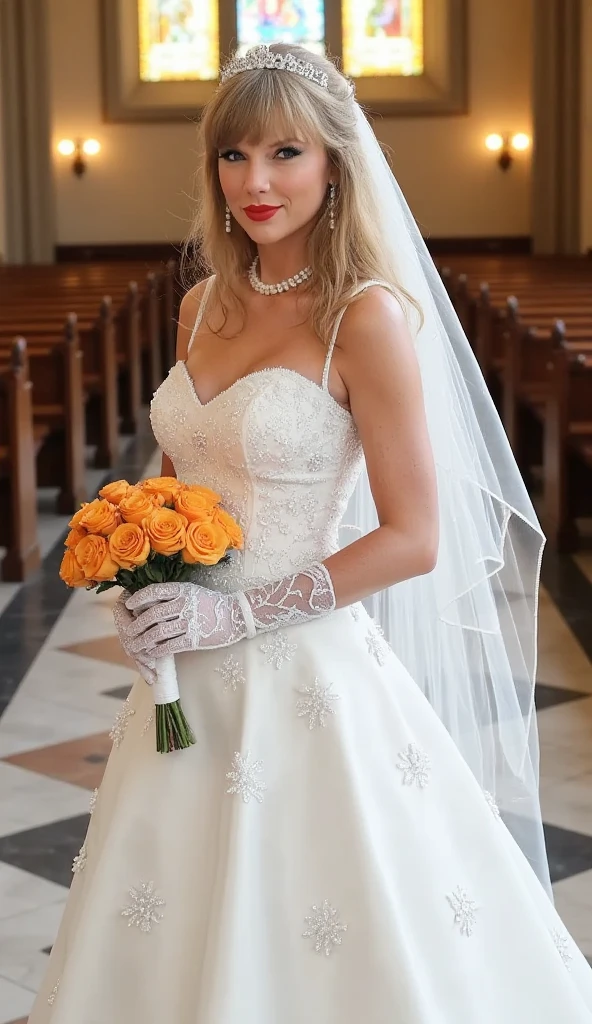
pixel 291 152
pixel 229 155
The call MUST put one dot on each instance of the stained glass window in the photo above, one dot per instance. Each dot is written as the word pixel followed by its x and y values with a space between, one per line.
pixel 178 40
pixel 281 21
pixel 382 37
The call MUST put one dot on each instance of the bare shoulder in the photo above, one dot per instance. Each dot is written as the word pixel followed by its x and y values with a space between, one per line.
pixel 188 311
pixel 374 336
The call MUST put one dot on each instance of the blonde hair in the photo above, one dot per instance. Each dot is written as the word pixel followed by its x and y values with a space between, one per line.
pixel 247 106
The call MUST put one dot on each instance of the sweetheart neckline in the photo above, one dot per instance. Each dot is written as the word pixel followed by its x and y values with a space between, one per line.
pixel 256 373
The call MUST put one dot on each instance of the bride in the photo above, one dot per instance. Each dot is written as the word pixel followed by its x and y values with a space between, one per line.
pixel 355 835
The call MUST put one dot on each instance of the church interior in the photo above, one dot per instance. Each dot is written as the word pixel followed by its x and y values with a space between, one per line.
pixel 485 111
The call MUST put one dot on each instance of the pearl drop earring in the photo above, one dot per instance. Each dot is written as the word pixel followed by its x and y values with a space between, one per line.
pixel 228 225
pixel 332 206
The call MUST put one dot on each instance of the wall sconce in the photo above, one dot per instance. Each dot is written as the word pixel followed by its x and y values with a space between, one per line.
pixel 79 149
pixel 506 145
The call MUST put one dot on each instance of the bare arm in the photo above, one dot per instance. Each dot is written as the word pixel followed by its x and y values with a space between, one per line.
pixel 187 315
pixel 377 361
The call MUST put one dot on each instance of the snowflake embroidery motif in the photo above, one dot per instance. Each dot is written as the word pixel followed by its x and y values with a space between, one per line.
pixel 142 912
pixel 562 944
pixel 52 995
pixel 492 804
pixel 79 862
pixel 121 723
pixel 316 461
pixel 464 910
pixel 324 926
pixel 278 649
pixel 377 645
pixel 93 802
pixel 243 779
pixel 148 723
pixel 231 673
pixel 316 703
pixel 415 765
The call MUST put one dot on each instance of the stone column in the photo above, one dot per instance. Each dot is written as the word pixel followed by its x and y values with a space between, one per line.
pixel 26 170
pixel 556 191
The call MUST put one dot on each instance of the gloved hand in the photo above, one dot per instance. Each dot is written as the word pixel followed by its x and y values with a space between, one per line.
pixel 170 618
pixel 123 620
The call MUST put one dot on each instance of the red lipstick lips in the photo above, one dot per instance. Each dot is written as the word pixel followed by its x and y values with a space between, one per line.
pixel 261 212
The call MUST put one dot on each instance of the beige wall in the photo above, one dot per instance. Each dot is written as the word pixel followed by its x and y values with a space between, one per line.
pixel 587 127
pixel 135 189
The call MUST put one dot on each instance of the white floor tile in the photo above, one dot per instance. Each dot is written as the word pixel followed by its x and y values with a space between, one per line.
pixel 20 891
pixel 28 800
pixel 29 723
pixel 15 1001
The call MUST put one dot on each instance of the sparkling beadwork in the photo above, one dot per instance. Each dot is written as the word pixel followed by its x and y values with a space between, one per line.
pixel 415 765
pixel 244 783
pixel 376 643
pixel 355 610
pixel 278 649
pixel 490 799
pixel 142 911
pixel 231 673
pixel 93 802
pixel 316 703
pixel 464 910
pixel 121 723
pixel 562 943
pixel 324 926
pixel 52 995
pixel 148 723
pixel 79 862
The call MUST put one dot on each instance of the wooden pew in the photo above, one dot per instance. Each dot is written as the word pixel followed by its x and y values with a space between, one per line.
pixel 18 441
pixel 567 462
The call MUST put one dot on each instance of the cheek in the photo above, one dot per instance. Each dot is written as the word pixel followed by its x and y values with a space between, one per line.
pixel 308 188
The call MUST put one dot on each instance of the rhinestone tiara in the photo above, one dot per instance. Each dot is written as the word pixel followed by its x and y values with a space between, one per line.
pixel 262 57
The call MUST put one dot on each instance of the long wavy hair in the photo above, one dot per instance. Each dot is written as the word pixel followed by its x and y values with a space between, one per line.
pixel 246 107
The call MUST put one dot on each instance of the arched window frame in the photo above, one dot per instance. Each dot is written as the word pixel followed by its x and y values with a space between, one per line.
pixel 441 90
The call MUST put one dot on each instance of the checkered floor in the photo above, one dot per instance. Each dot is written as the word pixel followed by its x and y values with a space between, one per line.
pixel 65 677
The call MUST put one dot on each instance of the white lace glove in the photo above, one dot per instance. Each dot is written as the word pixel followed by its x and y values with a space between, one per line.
pixel 123 620
pixel 173 617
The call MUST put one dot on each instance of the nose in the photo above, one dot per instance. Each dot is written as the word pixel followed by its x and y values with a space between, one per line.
pixel 256 177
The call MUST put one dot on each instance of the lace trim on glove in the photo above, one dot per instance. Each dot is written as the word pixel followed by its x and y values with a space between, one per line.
pixel 306 595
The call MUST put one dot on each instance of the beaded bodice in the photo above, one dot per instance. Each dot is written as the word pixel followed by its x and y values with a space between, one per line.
pixel 284 455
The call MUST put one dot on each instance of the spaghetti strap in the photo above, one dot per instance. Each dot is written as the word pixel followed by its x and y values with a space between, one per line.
pixel 361 288
pixel 201 310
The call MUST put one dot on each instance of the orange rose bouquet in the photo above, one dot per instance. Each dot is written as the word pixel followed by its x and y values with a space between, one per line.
pixel 157 531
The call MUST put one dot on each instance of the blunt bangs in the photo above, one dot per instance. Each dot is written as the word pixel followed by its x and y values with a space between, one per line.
pixel 260 103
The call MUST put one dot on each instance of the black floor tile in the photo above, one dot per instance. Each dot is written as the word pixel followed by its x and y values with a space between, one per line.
pixel 549 696
pixel 569 853
pixel 47 851
pixel 120 692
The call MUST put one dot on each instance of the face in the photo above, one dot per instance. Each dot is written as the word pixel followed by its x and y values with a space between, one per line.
pixel 276 187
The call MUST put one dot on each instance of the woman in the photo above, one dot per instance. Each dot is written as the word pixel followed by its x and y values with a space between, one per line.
pixel 331 849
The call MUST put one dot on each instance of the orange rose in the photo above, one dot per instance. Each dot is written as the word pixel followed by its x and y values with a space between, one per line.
pixel 230 526
pixel 100 516
pixel 94 559
pixel 73 537
pixel 196 504
pixel 71 572
pixel 137 504
pixel 165 530
pixel 168 486
pixel 206 543
pixel 212 496
pixel 129 546
pixel 115 491
pixel 75 520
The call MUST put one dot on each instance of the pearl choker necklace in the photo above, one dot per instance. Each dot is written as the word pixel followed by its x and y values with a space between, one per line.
pixel 283 286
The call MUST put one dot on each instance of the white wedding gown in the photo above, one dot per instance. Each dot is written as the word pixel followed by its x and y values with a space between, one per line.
pixel 322 855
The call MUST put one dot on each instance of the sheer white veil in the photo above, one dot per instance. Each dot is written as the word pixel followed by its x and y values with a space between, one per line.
pixel 467 631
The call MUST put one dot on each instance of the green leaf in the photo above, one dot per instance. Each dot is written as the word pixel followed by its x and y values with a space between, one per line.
pixel 107 585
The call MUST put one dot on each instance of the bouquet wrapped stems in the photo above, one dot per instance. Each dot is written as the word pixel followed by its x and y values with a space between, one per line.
pixel 173 731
